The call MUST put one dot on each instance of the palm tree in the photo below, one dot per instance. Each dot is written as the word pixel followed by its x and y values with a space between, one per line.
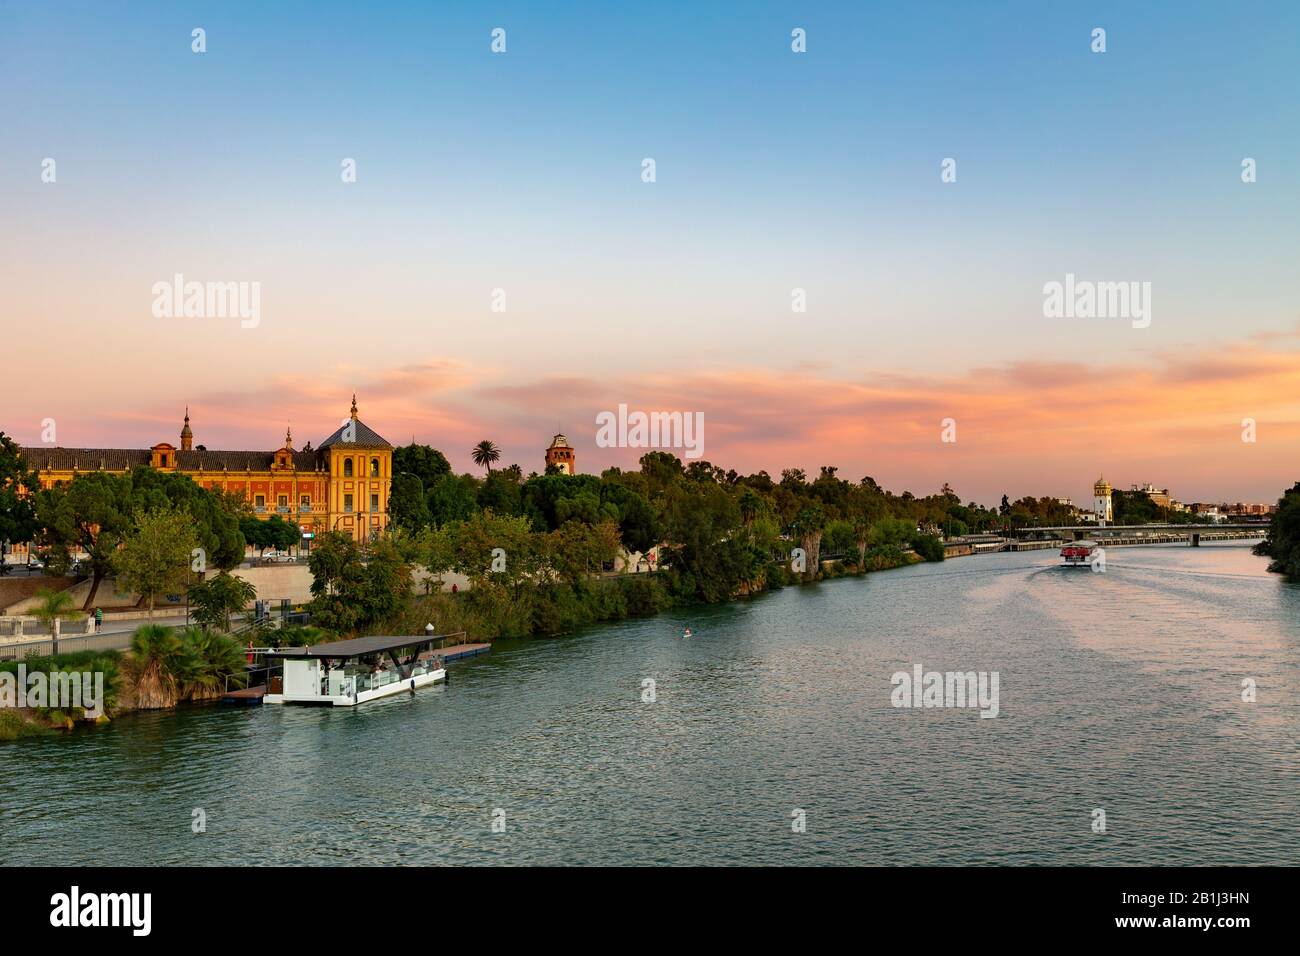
pixel 158 666
pixel 485 453
pixel 51 606
pixel 214 662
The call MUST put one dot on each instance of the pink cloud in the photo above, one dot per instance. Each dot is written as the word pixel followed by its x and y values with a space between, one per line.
pixel 1025 427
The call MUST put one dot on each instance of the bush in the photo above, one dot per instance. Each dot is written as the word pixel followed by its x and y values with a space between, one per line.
pixel 644 595
pixel 886 556
pixel 13 726
pixel 109 663
pixel 928 546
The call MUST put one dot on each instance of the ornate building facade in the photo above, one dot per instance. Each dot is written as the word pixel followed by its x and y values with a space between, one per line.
pixel 343 485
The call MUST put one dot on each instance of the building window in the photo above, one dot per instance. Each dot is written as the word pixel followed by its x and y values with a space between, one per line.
pixel 347 503
pixel 374 504
pixel 374 467
pixel 282 504
pixel 162 460
pixel 347 467
pixel 304 504
pixel 259 503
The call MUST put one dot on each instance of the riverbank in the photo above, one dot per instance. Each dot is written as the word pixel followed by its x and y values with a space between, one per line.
pixel 167 668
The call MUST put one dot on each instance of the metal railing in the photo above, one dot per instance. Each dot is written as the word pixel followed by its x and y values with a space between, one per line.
pixel 17 650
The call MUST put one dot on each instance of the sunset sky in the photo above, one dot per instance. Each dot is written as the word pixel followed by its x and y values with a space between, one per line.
pixel 775 170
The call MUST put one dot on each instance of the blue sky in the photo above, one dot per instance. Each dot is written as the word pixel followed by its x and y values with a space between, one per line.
pixel 775 171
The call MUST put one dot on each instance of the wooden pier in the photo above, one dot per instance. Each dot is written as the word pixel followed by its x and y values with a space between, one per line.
pixel 458 651
pixel 245 696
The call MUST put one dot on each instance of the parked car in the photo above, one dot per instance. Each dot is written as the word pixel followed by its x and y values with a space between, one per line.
pixel 272 556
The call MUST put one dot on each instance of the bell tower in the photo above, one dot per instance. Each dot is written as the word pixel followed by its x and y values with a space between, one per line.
pixel 1101 501
pixel 187 436
pixel 561 455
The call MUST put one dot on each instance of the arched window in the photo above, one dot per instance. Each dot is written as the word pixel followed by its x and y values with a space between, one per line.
pixel 374 467
pixel 347 467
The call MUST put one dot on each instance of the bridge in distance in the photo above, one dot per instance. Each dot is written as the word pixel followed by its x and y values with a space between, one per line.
pixel 1193 534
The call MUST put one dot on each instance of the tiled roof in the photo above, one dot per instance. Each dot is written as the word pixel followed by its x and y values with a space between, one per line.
pixel 240 460
pixel 119 459
pixel 365 437
pixel 84 459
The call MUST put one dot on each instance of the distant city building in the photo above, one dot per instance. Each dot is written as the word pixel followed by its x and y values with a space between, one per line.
pixel 1252 509
pixel 341 486
pixel 1159 496
pixel 561 455
pixel 1101 505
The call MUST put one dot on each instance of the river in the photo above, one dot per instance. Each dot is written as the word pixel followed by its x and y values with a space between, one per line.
pixel 1119 692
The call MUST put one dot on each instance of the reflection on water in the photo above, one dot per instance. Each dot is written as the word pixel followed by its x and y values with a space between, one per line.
pixel 1119 690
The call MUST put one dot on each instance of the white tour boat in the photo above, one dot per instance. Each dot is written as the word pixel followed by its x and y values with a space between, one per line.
pixel 1079 554
pixel 347 673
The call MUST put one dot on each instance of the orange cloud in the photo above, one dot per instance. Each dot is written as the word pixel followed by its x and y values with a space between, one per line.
pixel 1026 427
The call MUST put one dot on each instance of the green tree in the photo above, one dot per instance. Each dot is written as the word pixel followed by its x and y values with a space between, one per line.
pixel 453 498
pixel 52 606
pixel 1283 541
pixel 407 506
pixel 256 532
pixel 427 464
pixel 92 513
pixel 928 546
pixel 354 589
pixel 157 553
pixel 18 486
pixel 95 512
pixel 213 601
pixel 500 492
pixel 474 543
pixel 486 454
pixel 216 527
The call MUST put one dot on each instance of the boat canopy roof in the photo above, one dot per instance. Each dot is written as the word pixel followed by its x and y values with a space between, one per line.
pixel 357 647
pixel 1081 543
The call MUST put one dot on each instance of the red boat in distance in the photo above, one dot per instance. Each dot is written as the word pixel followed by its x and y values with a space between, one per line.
pixel 1078 554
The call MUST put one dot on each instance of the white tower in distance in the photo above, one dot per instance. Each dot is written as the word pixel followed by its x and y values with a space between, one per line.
pixel 1101 501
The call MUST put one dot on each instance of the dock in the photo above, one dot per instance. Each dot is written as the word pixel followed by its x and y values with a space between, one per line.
pixel 245 696
pixel 458 651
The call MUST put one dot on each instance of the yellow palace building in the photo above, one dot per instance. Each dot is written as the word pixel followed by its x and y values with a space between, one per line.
pixel 342 485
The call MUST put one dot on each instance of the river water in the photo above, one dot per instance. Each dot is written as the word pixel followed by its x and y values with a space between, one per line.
pixel 1119 692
